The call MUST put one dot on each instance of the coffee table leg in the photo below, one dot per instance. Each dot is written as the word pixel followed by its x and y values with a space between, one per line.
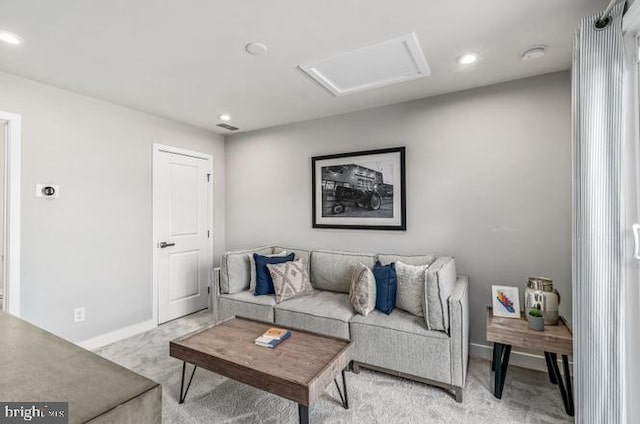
pixel 501 353
pixel 345 398
pixel 184 369
pixel 303 413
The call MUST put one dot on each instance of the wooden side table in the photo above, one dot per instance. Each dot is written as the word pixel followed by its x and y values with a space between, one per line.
pixel 554 340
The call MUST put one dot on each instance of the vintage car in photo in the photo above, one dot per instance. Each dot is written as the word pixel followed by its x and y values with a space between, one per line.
pixel 354 185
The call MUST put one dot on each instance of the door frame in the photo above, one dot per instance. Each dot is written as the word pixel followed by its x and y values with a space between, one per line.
pixel 157 149
pixel 11 223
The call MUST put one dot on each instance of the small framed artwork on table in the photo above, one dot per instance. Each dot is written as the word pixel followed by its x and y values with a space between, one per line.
pixel 506 301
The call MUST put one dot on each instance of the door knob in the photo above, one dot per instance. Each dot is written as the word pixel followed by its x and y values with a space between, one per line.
pixel 164 244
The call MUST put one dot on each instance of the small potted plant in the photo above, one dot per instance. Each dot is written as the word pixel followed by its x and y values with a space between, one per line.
pixel 536 319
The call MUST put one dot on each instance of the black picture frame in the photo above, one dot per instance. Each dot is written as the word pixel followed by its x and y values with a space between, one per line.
pixel 365 196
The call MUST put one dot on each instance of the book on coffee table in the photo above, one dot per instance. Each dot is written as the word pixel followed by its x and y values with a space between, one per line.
pixel 273 337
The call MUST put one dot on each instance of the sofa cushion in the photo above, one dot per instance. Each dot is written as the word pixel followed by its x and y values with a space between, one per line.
pixel 441 277
pixel 362 293
pixel 398 320
pixel 401 342
pixel 264 282
pixel 331 270
pixel 411 281
pixel 235 272
pixel 290 279
pixel 303 255
pixel 407 259
pixel 245 304
pixel 322 312
pixel 386 287
pixel 252 268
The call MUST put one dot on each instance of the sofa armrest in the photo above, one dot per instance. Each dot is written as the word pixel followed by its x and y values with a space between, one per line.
pixel 459 330
pixel 215 294
pixel 440 281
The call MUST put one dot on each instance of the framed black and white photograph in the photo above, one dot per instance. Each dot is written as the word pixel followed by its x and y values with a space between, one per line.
pixel 360 190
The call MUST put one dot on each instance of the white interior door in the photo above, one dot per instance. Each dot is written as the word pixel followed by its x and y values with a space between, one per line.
pixel 182 216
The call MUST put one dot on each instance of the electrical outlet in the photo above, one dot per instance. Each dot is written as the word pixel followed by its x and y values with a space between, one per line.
pixel 78 315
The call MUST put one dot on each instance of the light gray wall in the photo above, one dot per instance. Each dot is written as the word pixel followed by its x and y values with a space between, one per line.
pixel 488 181
pixel 92 246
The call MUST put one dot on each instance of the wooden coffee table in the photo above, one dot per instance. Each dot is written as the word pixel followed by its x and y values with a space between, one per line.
pixel 299 369
pixel 554 340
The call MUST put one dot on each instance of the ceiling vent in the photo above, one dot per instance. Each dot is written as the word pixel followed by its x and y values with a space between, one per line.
pixel 228 127
pixel 377 65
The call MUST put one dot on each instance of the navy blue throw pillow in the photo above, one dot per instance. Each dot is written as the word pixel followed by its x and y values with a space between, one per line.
pixel 264 283
pixel 386 287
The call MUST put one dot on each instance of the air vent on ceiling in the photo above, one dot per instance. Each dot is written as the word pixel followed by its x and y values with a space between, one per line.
pixel 228 127
pixel 389 62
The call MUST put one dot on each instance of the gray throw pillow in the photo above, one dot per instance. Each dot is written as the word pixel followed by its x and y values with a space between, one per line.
pixel 290 279
pixel 362 292
pixel 411 288
pixel 252 266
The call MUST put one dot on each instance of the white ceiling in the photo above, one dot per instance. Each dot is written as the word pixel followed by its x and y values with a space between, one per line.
pixel 185 59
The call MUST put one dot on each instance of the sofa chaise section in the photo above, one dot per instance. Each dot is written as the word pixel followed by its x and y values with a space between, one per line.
pixel 401 344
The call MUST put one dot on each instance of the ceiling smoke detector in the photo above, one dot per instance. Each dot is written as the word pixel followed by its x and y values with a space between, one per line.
pixel 532 53
pixel 256 49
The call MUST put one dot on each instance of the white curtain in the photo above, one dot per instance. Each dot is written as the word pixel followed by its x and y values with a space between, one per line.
pixel 631 167
pixel 599 231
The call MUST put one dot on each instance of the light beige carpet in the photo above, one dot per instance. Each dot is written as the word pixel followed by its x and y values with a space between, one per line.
pixel 374 397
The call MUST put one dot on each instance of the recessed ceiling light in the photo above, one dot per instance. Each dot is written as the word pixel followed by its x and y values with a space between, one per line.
pixel 255 48
pixel 467 59
pixel 532 53
pixel 10 37
pixel 224 117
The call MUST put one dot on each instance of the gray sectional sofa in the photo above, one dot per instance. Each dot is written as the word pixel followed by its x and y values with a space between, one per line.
pixel 399 343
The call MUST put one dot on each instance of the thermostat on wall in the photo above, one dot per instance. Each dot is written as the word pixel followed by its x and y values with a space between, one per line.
pixel 50 191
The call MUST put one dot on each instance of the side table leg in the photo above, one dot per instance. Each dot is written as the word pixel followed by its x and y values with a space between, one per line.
pixel 567 377
pixel 564 392
pixel 303 414
pixel 501 354
pixel 496 356
pixel 552 376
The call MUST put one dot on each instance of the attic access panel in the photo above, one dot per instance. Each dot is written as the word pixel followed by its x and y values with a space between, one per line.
pixel 377 65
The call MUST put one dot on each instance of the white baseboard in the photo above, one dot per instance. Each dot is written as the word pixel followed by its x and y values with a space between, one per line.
pixel 519 359
pixel 114 336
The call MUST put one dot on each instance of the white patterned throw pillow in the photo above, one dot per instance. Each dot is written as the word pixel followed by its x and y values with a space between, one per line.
pixel 411 288
pixel 252 266
pixel 290 279
pixel 362 292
